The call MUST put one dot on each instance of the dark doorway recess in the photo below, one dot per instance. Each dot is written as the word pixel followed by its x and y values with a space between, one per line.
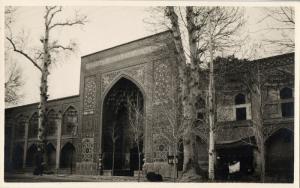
pixel 67 157
pixel 280 156
pixel 115 119
pixel 18 157
pixel 229 154
pixel 51 155
pixel 31 152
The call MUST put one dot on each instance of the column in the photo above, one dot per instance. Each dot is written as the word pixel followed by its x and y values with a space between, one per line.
pixel 58 141
pixel 25 141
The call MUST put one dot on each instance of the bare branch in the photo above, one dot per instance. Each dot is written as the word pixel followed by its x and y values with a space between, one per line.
pixel 24 54
pixel 53 14
pixel 76 21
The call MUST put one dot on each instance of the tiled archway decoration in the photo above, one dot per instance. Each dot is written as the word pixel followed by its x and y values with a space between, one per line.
pixel 136 72
pixel 87 149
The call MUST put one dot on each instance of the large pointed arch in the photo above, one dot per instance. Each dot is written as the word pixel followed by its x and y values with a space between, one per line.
pixel 118 85
pixel 118 78
pixel 115 80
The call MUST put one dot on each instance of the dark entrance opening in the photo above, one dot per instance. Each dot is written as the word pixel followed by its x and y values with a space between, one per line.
pixel 118 144
pixel 51 156
pixel 280 156
pixel 67 157
pixel 31 152
pixel 18 157
pixel 231 154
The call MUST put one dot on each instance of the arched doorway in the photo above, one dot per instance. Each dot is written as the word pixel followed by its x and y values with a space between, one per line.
pixel 51 155
pixel 67 157
pixel 280 156
pixel 117 138
pixel 17 158
pixel 31 152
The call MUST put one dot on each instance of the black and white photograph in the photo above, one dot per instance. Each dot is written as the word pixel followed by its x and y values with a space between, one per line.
pixel 141 93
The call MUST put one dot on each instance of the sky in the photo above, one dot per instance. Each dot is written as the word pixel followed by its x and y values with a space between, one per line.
pixel 106 27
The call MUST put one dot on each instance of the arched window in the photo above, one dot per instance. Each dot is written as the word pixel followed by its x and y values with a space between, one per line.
pixel 240 99
pixel 200 108
pixel 20 127
pixel 33 126
pixel 51 123
pixel 287 102
pixel 70 122
pixel 240 107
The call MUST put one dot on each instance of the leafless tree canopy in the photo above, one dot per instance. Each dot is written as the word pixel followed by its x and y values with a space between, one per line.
pixel 51 22
pixel 13 73
pixel 282 21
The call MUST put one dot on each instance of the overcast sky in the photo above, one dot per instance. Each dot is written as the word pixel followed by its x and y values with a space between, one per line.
pixel 107 27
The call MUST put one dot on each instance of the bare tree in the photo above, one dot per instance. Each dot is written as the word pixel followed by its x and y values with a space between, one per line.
pixel 173 131
pixel 280 20
pixel 114 131
pixel 44 56
pixel 136 122
pixel 209 30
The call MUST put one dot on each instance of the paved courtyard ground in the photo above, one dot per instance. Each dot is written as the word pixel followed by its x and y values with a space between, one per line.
pixel 28 177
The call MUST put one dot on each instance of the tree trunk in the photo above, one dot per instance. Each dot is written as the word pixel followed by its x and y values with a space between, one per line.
pixel 44 96
pixel 188 82
pixel 263 163
pixel 211 104
pixel 138 147
pixel 187 152
pixel 175 164
pixel 113 159
pixel 257 119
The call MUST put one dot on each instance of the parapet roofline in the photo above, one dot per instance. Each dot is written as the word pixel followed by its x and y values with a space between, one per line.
pixel 275 57
pixel 124 44
pixel 36 103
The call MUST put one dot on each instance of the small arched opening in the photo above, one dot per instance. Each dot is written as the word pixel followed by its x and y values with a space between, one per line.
pixel 67 157
pixel 51 155
pixel 31 153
